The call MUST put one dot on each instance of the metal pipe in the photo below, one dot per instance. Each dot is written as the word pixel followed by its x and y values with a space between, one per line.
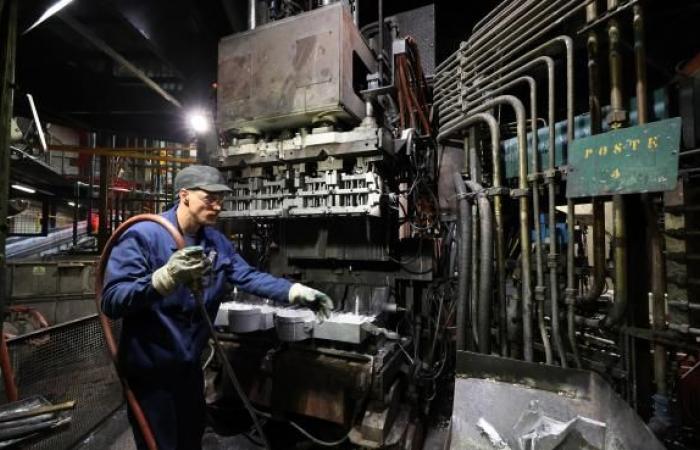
pixel 464 260
pixel 618 114
pixel 598 284
pixel 493 15
pixel 540 287
pixel 524 14
pixel 474 283
pixel 553 261
pixel 660 420
pixel 252 14
pixel 640 65
pixel 522 194
pixel 498 34
pixel 485 267
pixel 509 70
pixel 618 118
pixel 380 41
pixel 619 307
pixel 103 232
pixel 356 13
pixel 513 64
pixel 498 214
pixel 8 30
pixel 474 52
pixel 495 86
pixel 553 20
pixel 570 293
pixel 551 175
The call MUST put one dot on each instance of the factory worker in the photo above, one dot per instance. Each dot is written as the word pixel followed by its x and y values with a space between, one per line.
pixel 163 334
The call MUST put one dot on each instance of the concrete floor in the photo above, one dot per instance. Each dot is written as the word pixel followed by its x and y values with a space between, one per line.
pixel 115 434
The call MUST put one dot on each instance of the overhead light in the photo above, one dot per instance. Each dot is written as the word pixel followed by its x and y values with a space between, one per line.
pixel 198 121
pixel 71 203
pixel 27 189
pixel 37 122
pixel 50 11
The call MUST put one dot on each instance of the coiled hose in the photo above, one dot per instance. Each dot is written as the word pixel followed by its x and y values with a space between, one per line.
pixel 144 426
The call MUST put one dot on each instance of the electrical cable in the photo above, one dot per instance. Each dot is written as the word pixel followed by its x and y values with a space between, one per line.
pixel 317 440
pixel 196 289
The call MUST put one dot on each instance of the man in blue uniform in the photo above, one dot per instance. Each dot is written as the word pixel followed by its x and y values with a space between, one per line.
pixel 163 335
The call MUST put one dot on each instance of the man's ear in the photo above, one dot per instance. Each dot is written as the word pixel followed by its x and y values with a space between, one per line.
pixel 184 197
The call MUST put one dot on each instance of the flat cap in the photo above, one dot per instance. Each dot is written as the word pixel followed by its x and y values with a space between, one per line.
pixel 201 177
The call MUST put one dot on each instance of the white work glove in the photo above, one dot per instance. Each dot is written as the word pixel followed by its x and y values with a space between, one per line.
pixel 185 266
pixel 315 300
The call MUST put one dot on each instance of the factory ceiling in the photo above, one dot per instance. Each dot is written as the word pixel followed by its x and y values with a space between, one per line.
pixel 64 61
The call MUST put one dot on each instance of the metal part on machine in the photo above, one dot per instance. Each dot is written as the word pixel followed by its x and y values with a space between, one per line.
pixel 296 192
pixel 293 325
pixel 282 74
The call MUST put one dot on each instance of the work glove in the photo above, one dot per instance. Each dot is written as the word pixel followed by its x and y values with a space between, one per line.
pixel 315 300
pixel 186 266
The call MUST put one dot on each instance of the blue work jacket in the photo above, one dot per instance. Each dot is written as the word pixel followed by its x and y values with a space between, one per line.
pixel 168 332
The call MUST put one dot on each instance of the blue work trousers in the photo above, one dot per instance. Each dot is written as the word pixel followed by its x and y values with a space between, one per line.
pixel 173 403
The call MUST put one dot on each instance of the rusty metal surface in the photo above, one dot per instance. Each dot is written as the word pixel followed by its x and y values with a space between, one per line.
pixel 630 160
pixel 284 73
pixel 501 390
pixel 320 386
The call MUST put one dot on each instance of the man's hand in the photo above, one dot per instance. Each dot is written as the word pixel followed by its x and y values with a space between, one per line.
pixel 312 299
pixel 185 266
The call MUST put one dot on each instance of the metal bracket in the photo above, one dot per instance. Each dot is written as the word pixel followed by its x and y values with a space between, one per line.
pixel 550 175
pixel 532 177
pixel 517 193
pixel 540 293
pixel 494 191
pixel 570 296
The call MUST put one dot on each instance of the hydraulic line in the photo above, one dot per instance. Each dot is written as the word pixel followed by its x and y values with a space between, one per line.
pixel 483 305
pixel 498 215
pixel 521 194
pixel 464 261
pixel 111 342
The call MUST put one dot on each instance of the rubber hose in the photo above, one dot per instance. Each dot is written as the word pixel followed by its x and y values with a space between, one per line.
pixel 136 410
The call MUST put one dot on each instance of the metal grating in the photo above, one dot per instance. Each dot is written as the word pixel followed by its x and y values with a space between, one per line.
pixel 68 362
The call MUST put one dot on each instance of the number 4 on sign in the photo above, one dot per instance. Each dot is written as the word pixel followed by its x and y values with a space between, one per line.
pixel 615 174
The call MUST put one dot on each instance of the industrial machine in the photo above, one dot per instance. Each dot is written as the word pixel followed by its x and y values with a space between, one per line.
pixel 330 153
pixel 516 203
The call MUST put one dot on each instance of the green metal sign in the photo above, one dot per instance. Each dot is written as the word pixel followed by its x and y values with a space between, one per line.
pixel 625 161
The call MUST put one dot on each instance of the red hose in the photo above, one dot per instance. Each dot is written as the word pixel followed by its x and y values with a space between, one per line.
pixel 109 337
pixel 38 317
pixel 8 375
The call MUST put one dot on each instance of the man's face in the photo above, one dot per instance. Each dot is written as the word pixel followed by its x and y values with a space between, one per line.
pixel 203 206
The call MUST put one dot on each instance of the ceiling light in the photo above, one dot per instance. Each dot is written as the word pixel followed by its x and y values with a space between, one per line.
pixel 50 11
pixel 27 189
pixel 198 121
pixel 71 203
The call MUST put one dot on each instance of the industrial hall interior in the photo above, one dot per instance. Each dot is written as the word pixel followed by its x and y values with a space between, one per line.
pixel 350 224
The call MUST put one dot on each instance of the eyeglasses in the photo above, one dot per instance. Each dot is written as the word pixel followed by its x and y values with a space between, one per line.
pixel 210 198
